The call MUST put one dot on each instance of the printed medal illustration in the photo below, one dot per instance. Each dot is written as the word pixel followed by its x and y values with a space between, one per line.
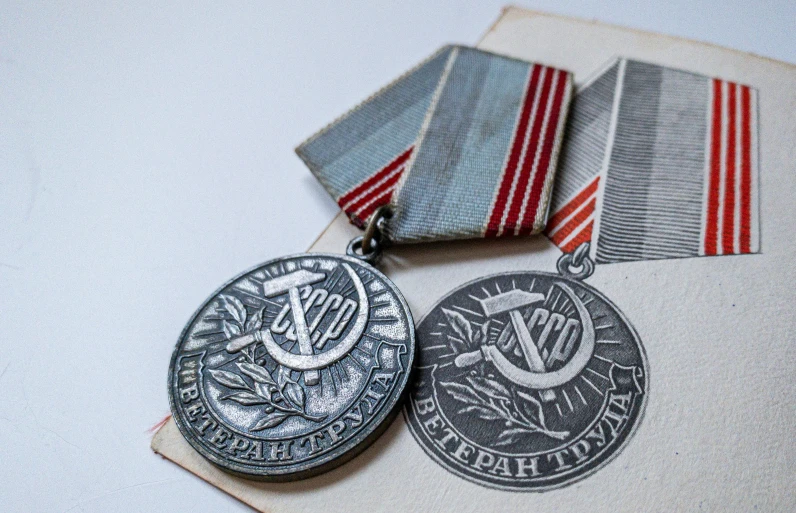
pixel 292 368
pixel 527 381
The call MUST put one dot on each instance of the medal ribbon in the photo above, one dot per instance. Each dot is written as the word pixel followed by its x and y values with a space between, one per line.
pixel 462 146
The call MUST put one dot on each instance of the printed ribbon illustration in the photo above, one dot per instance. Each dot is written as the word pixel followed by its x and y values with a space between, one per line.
pixel 658 163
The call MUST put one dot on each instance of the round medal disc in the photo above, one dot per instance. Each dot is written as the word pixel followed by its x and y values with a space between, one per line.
pixel 526 381
pixel 292 368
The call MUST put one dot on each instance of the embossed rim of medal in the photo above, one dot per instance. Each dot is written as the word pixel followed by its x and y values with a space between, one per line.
pixel 578 477
pixel 351 447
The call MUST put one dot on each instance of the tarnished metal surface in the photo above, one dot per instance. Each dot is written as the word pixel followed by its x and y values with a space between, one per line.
pixel 292 368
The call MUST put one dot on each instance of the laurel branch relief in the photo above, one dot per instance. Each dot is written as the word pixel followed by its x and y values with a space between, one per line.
pixel 254 385
pixel 488 399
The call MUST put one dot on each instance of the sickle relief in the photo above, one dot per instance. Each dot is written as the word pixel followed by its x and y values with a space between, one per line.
pixel 539 357
pixel 308 360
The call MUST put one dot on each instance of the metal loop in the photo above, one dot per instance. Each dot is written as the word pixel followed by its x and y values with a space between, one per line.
pixel 576 265
pixel 373 231
pixel 580 253
pixel 356 249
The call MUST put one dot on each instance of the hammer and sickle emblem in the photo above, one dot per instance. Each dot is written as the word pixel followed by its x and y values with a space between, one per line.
pixel 537 377
pixel 307 361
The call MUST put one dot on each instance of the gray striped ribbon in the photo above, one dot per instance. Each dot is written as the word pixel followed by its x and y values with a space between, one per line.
pixel 462 146
pixel 658 163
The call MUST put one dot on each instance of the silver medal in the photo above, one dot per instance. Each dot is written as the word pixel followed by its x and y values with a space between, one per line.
pixel 292 368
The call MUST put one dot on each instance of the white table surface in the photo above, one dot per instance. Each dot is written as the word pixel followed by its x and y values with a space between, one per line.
pixel 146 156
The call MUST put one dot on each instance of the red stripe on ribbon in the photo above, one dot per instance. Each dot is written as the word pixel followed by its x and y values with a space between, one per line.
pixel 380 200
pixel 526 226
pixel 573 205
pixel 514 156
pixel 534 146
pixel 728 222
pixel 712 217
pixel 365 201
pixel 583 236
pixel 371 193
pixel 746 171
pixel 561 235
pixel 375 177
